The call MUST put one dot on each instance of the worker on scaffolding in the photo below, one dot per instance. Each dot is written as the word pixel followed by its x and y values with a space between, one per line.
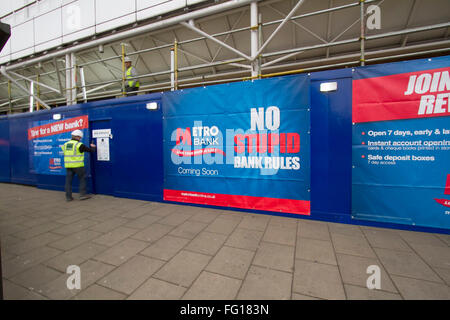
pixel 131 84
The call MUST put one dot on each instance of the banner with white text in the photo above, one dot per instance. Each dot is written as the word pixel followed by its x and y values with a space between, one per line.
pixel 45 139
pixel 243 145
pixel 401 143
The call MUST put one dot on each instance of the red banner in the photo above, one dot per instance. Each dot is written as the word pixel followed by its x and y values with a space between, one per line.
pixel 447 185
pixel 444 202
pixel 237 201
pixel 410 95
pixel 58 127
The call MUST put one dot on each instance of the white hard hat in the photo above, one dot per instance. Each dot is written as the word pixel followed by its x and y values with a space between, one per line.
pixel 128 59
pixel 77 133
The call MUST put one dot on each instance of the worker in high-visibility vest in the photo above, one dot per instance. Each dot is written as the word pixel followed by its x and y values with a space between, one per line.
pixel 74 151
pixel 131 84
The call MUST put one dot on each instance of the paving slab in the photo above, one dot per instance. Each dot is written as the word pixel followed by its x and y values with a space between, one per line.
pixel 175 219
pixel 413 237
pixel 352 245
pixel 345 229
pixel 223 226
pixel 254 222
pixel 35 277
pixel 37 230
pixel 207 243
pixel 91 271
pixel 164 210
pixel 155 289
pixel 24 246
pixel 109 225
pixel 313 230
pixel 360 293
pixel 188 229
pixel 434 256
pixel 406 264
pixel 143 221
pixel 130 275
pixel 318 280
pixel 74 217
pixel 281 234
pixel 165 248
pixel 121 252
pixel 414 289
pixel 211 286
pixel 75 256
pixel 297 296
pixel 266 284
pixel 275 256
pixel 115 236
pixel 96 292
pixel 380 238
pixel 245 239
pixel 183 269
pixel 74 240
pixel 353 271
pixel 74 227
pixel 204 215
pixel 444 274
pixel 20 263
pixel 12 291
pixel 315 250
pixel 231 262
pixel 153 232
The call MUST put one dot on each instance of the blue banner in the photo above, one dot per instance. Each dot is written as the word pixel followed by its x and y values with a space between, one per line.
pixel 240 144
pixel 45 139
pixel 401 143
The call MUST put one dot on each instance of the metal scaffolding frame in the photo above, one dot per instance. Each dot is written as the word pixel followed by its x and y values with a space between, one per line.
pixel 257 64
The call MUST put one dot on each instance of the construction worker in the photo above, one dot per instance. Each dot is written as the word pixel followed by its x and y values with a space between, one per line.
pixel 74 151
pixel 131 85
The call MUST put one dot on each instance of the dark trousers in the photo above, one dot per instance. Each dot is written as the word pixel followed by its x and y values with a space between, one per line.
pixel 131 91
pixel 81 174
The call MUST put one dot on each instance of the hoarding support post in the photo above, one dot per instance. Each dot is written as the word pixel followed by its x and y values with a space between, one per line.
pixel 362 37
pixel 254 37
pixel 73 61
pixel 68 80
pixel 175 58
pixel 38 89
pixel 31 96
pixel 83 84
pixel 172 69
pixel 123 69
pixel 9 96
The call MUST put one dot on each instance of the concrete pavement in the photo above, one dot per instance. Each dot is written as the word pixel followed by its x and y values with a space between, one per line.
pixel 131 249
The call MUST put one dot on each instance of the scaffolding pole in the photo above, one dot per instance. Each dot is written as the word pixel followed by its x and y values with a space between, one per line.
pixel 362 36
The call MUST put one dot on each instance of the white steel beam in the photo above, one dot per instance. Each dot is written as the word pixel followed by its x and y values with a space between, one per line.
pixel 127 34
pixel 206 35
pixel 40 83
pixel 281 25
pixel 6 75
